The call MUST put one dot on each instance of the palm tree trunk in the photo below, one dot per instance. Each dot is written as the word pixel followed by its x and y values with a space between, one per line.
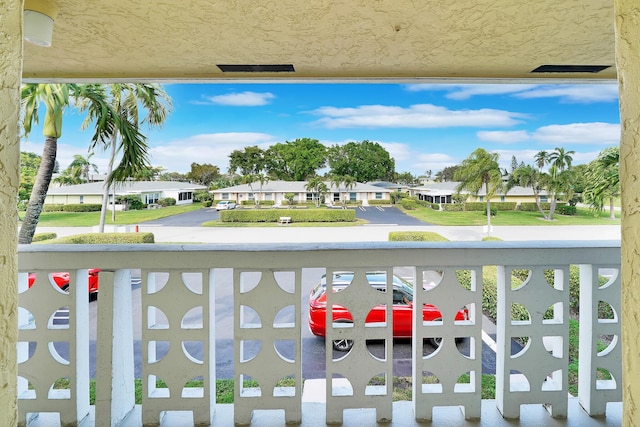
pixel 612 214
pixel 488 209
pixel 105 188
pixel 39 190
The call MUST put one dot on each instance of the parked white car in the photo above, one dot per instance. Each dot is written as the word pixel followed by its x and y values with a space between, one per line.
pixel 225 204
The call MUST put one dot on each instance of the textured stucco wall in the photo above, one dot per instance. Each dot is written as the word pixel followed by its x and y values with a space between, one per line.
pixel 628 62
pixel 10 71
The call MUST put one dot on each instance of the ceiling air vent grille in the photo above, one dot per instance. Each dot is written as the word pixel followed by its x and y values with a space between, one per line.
pixel 252 68
pixel 570 68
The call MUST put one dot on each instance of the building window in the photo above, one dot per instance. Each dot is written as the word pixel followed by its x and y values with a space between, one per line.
pixel 543 199
pixel 310 197
pixel 81 199
pixel 151 198
pixel 268 196
pixel 251 196
pixel 378 196
pixel 482 198
pixel 353 196
pixel 502 198
pixel 336 197
pixel 184 196
pixel 225 196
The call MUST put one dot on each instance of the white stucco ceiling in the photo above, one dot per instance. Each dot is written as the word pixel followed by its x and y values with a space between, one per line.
pixel 335 39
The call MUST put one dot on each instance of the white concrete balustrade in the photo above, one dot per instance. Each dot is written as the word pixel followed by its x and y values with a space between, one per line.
pixel 177 331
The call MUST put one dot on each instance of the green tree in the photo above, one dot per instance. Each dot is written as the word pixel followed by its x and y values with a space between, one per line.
pixel 78 170
pixel 481 169
pixel 29 163
pixel 295 160
pixel 249 161
pixel 529 177
pixel 203 174
pixel 116 111
pixel 447 174
pixel 405 178
pixel 55 98
pixel 317 186
pixel 560 160
pixel 603 180
pixel 364 160
pixel 173 176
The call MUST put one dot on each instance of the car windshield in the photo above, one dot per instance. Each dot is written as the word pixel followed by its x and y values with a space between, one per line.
pixel 343 279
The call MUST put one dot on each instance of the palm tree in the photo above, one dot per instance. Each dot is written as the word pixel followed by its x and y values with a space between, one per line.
pixel 349 182
pixel 317 186
pixel 541 159
pixel 480 169
pixel 116 111
pixel 78 171
pixel 55 98
pixel 561 159
pixel 527 176
pixel 603 177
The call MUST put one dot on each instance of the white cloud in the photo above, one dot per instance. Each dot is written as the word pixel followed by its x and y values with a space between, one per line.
pixel 398 150
pixel 416 116
pixel 579 133
pixel 243 99
pixel 574 93
pixel 503 137
pixel 213 148
pixel 434 162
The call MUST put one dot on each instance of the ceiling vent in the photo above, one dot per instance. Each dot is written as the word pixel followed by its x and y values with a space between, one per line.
pixel 250 68
pixel 570 68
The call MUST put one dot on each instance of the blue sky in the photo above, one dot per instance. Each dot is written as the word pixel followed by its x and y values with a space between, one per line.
pixel 423 126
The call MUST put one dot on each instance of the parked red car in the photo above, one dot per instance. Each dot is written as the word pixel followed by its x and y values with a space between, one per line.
pixel 62 280
pixel 402 307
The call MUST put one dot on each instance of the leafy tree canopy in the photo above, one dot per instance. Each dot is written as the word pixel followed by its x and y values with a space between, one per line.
pixel 249 161
pixel 29 163
pixel 203 174
pixel 295 160
pixel 364 160
pixel 447 174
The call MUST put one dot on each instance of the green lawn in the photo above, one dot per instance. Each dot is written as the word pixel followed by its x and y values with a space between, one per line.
pixel 89 219
pixel 583 217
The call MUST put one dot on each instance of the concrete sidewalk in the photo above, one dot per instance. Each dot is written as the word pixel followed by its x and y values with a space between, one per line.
pixel 363 233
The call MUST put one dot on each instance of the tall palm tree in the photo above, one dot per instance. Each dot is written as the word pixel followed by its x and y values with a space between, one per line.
pixel 349 182
pixel 527 176
pixel 603 177
pixel 116 114
pixel 55 97
pixel 78 171
pixel 561 159
pixel 481 169
pixel 317 186
pixel 541 158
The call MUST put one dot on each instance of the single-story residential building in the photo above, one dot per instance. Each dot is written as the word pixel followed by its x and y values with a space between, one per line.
pixel 442 192
pixel 275 191
pixel 149 192
pixel 391 186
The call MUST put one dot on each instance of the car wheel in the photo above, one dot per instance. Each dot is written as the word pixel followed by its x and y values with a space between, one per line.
pixel 342 345
pixel 435 341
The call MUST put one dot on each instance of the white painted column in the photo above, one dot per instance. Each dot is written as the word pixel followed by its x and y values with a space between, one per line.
pixel 10 72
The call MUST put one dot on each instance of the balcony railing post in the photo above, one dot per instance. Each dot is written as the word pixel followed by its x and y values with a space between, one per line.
pixel 593 392
pixel 115 392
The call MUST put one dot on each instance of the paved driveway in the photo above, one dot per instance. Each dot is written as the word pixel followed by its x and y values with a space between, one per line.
pixel 386 215
pixel 187 219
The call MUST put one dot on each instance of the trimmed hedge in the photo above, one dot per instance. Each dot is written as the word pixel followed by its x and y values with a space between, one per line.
pixel 452 207
pixel 39 237
pixel 303 215
pixel 380 202
pixel 88 207
pixel 567 210
pixel 105 238
pixel 532 207
pixel 262 203
pixel 416 236
pixel 499 206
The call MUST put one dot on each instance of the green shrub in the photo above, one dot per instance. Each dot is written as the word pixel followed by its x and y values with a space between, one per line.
pixel 131 202
pixel 379 202
pixel 354 202
pixel 105 238
pixel 532 207
pixel 39 237
pixel 567 210
pixel 208 203
pixel 408 204
pixel 302 215
pixel 167 201
pixel 434 206
pixel 452 207
pixel 82 208
pixel 482 206
pixel 202 196
pixel 475 206
pixel 494 211
pixel 416 236
pixel 52 208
